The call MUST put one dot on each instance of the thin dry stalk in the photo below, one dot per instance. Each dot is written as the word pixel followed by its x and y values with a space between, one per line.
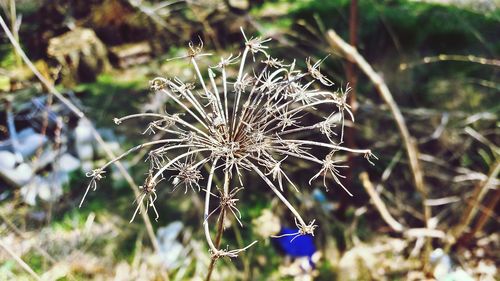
pixel 81 115
pixel 218 239
pixel 489 211
pixel 39 249
pixel 352 78
pixel 446 57
pixel 379 204
pixel 352 54
pixel 21 263
pixel 21 235
pixel 480 191
pixel 392 222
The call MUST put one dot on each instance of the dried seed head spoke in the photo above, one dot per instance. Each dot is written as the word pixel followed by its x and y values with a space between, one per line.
pixel 225 62
pixel 277 173
pixel 228 253
pixel 228 203
pixel 178 86
pixel 95 175
pixel 303 229
pixel 155 159
pixel 158 84
pixel 288 119
pixel 189 176
pixel 368 157
pixel 314 71
pixel 330 167
pixel 256 44
pixel 326 127
pixel 147 198
pixel 246 82
pixel 273 62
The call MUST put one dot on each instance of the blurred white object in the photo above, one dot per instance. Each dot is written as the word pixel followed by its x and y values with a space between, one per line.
pixel 171 251
pixel 7 160
pixel 83 144
pixel 48 188
pixel 20 175
pixel 83 132
pixel 267 224
pixel 441 262
pixel 301 269
pixel 30 141
pixel 457 275
pixel 67 163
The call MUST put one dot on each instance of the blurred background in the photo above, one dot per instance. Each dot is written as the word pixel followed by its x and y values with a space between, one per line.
pixel 427 209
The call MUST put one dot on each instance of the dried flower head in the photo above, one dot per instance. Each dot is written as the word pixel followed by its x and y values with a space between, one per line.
pixel 264 122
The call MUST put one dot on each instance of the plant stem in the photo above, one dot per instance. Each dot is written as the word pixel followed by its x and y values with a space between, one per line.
pixel 220 227
pixel 218 238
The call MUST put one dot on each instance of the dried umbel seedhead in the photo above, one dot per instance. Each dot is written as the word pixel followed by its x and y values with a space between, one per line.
pixel 254 123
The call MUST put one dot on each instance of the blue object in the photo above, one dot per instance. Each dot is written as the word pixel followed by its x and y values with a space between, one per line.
pixel 319 196
pixel 301 246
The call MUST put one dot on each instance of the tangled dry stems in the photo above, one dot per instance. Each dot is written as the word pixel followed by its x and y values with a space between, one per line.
pixel 251 124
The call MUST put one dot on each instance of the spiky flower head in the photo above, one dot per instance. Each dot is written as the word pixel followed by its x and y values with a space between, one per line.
pixel 249 124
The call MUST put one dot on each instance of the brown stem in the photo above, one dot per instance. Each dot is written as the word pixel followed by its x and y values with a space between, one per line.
pixel 218 238
pixel 220 228
pixel 350 70
pixel 478 195
pixel 352 79
pixel 488 212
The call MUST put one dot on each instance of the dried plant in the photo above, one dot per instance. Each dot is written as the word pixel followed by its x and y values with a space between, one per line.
pixel 251 124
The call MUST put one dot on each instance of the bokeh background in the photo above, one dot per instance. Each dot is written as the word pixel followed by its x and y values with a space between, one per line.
pixel 438 59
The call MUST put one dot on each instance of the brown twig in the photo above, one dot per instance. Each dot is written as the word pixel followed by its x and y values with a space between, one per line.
pixel 352 79
pixel 478 194
pixel 75 110
pixel 220 228
pixel 487 213
pixel 352 54
pixel 218 238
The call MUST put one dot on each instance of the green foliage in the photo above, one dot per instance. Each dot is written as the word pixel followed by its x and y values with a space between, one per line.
pixel 6 267
pixel 326 271
pixel 7 57
pixel 35 261
pixel 113 95
pixel 422 26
